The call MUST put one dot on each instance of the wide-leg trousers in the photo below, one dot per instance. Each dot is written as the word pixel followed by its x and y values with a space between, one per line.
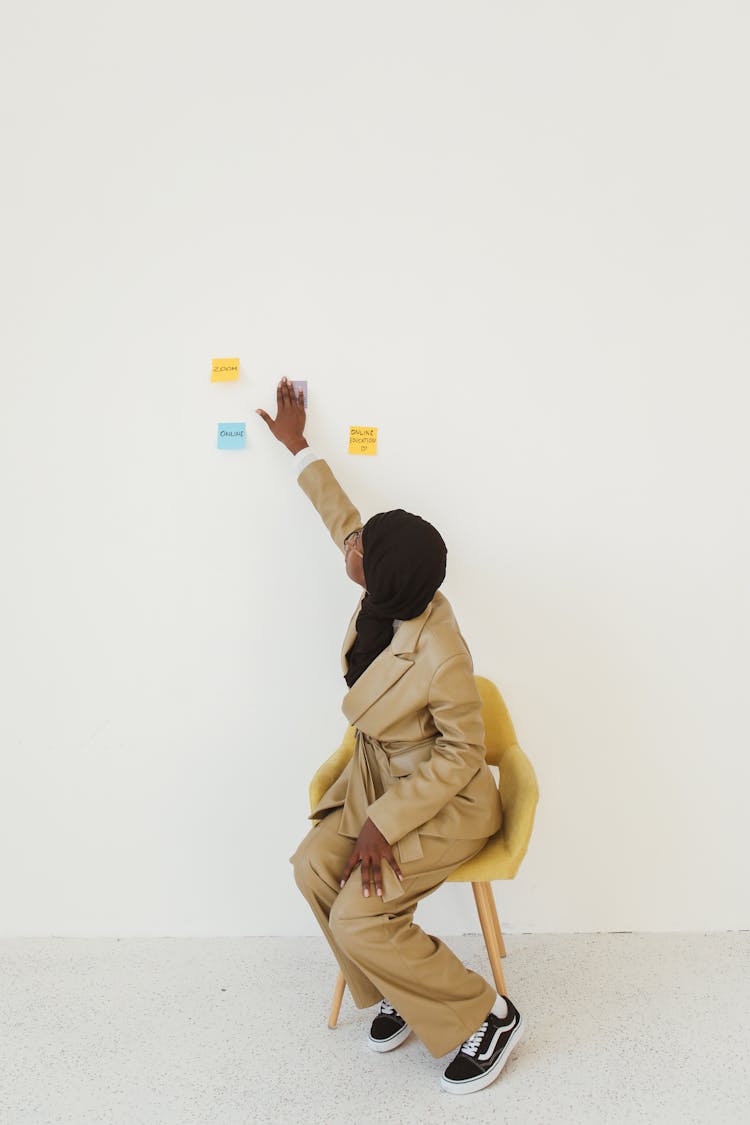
pixel 381 951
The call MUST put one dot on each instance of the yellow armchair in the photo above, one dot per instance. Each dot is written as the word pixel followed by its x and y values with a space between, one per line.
pixel 501 856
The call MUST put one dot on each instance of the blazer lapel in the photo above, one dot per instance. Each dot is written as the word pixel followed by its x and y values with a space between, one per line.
pixel 386 669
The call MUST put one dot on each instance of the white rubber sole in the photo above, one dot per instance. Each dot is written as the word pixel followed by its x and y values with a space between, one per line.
pixel 482 1080
pixel 396 1040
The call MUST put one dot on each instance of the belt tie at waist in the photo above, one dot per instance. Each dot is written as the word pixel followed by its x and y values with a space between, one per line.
pixel 370 777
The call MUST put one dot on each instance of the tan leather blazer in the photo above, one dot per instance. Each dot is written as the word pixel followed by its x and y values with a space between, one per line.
pixel 419 764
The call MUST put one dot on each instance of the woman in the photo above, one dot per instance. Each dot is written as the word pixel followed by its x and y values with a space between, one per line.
pixel 417 798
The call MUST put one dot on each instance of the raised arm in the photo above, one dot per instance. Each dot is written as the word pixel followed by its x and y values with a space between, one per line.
pixel 315 477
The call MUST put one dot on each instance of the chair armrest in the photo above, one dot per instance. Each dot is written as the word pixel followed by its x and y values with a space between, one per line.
pixel 326 774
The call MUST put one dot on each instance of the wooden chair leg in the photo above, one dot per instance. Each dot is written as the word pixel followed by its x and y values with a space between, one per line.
pixel 338 995
pixel 490 929
pixel 495 920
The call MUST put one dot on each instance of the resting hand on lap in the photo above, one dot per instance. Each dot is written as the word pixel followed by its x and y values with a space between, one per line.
pixel 370 850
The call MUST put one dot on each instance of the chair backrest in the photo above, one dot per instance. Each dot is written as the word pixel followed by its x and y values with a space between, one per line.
pixel 498 726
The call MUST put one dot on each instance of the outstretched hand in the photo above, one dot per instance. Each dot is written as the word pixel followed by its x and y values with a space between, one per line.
pixel 288 426
pixel 370 850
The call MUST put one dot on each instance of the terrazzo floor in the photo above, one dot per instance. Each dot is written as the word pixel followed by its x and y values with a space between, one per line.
pixel 227 1031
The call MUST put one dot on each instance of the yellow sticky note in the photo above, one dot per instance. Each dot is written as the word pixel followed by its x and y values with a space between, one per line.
pixel 363 440
pixel 224 370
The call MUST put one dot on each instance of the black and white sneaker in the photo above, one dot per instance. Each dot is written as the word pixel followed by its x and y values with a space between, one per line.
pixel 388 1030
pixel 484 1054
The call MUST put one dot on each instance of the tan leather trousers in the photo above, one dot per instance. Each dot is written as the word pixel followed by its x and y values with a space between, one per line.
pixel 380 949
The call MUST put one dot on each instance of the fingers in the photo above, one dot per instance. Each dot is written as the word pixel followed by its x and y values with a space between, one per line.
pixel 287 397
pixel 365 862
pixel 366 877
pixel 371 870
pixel 287 393
pixel 353 861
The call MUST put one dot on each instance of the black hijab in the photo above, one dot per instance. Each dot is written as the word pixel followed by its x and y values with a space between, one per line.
pixel 404 560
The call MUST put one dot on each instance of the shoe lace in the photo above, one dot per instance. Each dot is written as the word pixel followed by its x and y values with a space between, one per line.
pixel 471 1046
pixel 387 1009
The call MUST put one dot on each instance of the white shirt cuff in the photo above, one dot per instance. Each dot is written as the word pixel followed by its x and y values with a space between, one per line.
pixel 304 458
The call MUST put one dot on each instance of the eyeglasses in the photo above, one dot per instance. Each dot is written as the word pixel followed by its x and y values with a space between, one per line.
pixel 354 539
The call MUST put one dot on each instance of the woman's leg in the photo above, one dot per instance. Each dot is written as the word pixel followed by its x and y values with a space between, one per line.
pixel 377 944
pixel 319 863
pixel 441 1000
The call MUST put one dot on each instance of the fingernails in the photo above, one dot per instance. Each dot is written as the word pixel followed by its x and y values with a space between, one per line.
pixel 380 892
pixel 366 893
pixel 341 883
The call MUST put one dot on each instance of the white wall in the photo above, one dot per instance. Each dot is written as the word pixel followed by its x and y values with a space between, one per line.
pixel 514 236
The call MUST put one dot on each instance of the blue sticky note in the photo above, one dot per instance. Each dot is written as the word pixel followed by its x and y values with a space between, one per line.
pixel 232 435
